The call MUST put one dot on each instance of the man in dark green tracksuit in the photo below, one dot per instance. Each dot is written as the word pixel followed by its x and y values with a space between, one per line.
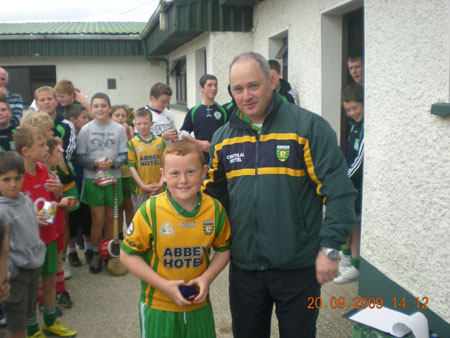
pixel 275 165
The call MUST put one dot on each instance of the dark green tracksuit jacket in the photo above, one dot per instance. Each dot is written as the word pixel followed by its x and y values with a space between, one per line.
pixel 275 184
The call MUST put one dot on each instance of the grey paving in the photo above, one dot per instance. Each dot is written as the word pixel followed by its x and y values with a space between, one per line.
pixel 107 307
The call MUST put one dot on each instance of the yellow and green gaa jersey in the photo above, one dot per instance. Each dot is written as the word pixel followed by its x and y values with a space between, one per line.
pixel 176 243
pixel 145 157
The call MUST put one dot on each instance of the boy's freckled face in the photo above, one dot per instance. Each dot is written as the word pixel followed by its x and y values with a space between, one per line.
pixel 119 116
pixel 209 90
pixel 159 103
pixel 100 109
pixel 183 175
pixel 46 102
pixel 355 110
pixel 64 99
pixel 11 184
pixel 5 115
pixel 143 125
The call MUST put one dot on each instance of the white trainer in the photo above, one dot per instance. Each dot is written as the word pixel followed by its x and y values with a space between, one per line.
pixel 347 275
pixel 344 261
pixel 67 272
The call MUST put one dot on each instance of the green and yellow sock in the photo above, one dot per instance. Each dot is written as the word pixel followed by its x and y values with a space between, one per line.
pixel 94 250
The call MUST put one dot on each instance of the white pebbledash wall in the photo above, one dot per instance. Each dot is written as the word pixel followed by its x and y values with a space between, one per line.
pixel 220 51
pixel 406 207
pixel 134 75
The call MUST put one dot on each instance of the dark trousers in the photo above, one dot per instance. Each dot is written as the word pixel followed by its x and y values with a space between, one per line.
pixel 253 294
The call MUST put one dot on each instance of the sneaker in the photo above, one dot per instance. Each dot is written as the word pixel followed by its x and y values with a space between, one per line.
pixel 58 310
pixel 74 260
pixel 63 298
pixel 344 261
pixel 96 264
pixel 347 275
pixel 59 329
pixel 38 334
pixel 67 272
pixel 88 254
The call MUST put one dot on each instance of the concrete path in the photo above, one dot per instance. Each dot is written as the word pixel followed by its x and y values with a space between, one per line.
pixel 107 307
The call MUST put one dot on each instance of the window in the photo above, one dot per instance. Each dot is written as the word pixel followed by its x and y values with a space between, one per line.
pixel 278 49
pixel 283 56
pixel 178 70
pixel 26 79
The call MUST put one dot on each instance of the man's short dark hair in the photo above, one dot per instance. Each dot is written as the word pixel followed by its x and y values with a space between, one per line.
pixel 353 92
pixel 159 89
pixel 205 78
pixel 11 160
pixel 74 110
pixel 275 65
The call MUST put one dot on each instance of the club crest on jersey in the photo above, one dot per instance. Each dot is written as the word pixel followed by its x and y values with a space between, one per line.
pixel 283 152
pixel 208 227
pixel 158 147
pixel 139 149
pixel 167 229
pixel 130 229
pixel 217 115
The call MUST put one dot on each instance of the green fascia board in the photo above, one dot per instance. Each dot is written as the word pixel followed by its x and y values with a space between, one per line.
pixel 187 19
pixel 373 283
pixel 68 47
pixel 163 46
pixel 238 3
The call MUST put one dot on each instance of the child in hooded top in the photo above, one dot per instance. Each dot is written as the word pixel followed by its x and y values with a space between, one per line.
pixel 27 251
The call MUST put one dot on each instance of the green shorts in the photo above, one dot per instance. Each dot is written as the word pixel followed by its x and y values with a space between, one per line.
pixel 50 266
pixel 129 185
pixel 165 324
pixel 97 196
pixel 73 192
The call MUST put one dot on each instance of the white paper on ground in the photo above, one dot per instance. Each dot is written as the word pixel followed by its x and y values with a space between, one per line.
pixel 393 322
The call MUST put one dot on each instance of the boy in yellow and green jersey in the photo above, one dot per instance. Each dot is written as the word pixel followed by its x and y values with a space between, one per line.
pixel 168 246
pixel 144 159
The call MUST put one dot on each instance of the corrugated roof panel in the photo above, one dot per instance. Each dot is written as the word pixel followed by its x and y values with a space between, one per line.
pixel 67 47
pixel 72 28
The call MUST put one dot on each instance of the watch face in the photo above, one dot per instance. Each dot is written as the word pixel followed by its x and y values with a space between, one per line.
pixel 333 254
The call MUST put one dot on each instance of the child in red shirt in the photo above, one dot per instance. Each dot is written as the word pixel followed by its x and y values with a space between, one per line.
pixel 41 189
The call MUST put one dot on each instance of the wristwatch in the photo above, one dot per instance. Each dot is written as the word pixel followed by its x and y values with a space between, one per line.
pixel 330 252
